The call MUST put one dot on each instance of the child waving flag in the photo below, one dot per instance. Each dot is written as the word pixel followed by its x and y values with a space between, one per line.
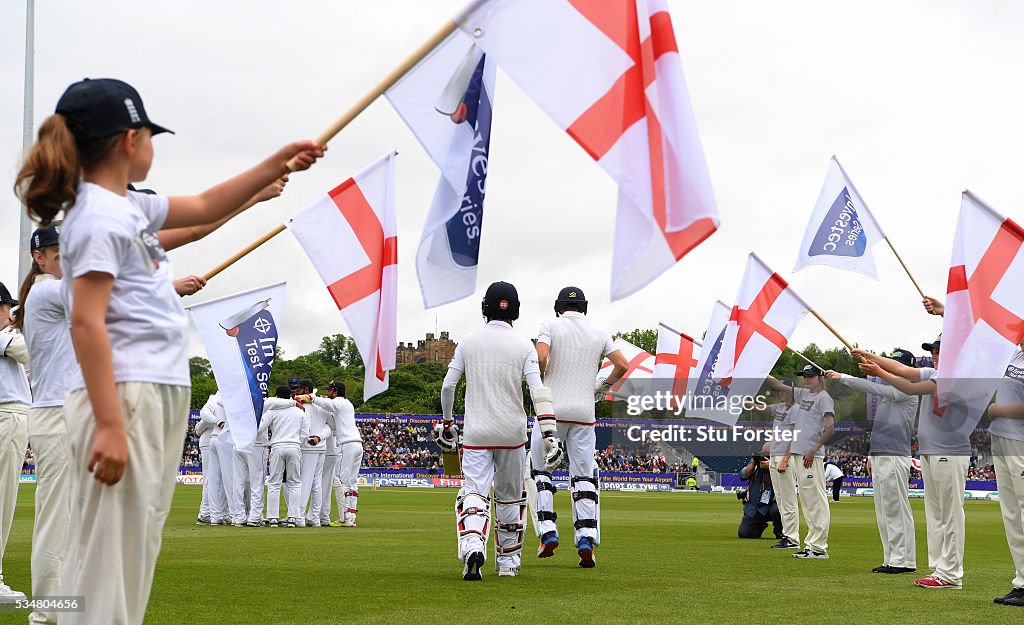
pixel 126 409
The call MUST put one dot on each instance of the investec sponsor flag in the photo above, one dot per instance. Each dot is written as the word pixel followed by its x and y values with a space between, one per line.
pixel 446 100
pixel 240 336
pixel 705 392
pixel 984 319
pixel 842 230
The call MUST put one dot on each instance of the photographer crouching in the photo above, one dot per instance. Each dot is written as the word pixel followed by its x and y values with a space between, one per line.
pixel 759 506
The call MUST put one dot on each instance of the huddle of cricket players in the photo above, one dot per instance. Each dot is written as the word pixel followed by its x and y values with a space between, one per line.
pixel 560 371
pixel 314 450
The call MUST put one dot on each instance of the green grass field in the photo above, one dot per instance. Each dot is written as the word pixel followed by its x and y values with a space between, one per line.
pixel 666 558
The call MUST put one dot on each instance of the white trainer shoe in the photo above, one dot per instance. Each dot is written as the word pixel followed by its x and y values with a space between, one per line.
pixel 9 595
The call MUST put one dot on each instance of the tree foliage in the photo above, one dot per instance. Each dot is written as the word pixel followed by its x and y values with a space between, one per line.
pixel 416 388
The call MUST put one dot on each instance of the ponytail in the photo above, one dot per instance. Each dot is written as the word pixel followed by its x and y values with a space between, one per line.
pixel 26 286
pixel 48 180
pixel 49 177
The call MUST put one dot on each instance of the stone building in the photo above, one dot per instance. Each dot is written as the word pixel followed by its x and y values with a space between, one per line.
pixel 429 349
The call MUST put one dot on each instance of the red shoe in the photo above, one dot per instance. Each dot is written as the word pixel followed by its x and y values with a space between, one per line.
pixel 933 581
pixel 586 554
pixel 548 544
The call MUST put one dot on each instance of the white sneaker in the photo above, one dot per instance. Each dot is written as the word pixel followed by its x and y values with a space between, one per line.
pixel 9 595
pixel 508 571
pixel 349 523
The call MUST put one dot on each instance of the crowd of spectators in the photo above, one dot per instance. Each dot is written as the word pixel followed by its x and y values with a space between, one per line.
pixel 389 443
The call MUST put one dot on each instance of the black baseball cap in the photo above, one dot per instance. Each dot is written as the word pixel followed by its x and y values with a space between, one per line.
pixel 305 383
pixel 928 347
pixel 810 371
pixel 902 356
pixel 102 107
pixel 337 387
pixel 5 296
pixel 788 382
pixel 44 237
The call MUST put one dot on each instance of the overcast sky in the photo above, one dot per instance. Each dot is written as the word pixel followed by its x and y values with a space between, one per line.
pixel 919 100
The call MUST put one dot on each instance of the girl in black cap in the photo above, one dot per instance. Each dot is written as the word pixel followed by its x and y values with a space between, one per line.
pixel 127 405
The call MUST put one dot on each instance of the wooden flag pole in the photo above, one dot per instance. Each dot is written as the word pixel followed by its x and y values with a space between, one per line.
pixel 828 325
pixel 807 360
pixel 905 268
pixel 346 118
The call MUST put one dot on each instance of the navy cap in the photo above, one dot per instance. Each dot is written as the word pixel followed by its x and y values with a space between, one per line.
pixel 929 347
pixel 788 382
pixel 102 107
pixel 902 356
pixel 44 237
pixel 810 371
pixel 5 296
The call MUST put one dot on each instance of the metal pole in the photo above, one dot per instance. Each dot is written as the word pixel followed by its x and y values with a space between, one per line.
pixel 24 259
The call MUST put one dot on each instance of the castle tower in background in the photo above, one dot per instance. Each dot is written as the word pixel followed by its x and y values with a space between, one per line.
pixel 429 349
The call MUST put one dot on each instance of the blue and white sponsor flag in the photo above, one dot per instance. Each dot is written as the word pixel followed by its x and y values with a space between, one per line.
pixel 446 101
pixel 842 230
pixel 705 393
pixel 240 334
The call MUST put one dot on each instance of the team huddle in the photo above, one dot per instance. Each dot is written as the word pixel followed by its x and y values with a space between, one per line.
pixel 315 449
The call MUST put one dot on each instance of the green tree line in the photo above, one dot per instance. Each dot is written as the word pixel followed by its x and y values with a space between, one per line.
pixel 416 388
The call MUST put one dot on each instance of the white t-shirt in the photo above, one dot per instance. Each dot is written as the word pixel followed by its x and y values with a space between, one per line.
pixel 114 234
pixel 1010 391
pixel 49 342
pixel 781 421
pixel 808 415
pixel 948 434
pixel 13 383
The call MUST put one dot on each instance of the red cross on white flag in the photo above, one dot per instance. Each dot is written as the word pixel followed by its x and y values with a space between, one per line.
pixel 351 238
pixel 610 74
pixel 984 319
pixel 639 369
pixel 674 362
pixel 766 313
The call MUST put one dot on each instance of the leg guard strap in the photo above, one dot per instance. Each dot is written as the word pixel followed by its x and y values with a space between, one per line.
pixel 545 515
pixel 581 523
pixel 585 494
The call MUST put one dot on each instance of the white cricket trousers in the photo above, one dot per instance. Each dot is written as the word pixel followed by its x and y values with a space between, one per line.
pixel 223 449
pixel 327 487
pixel 115 533
pixel 250 478
pixel 312 476
pixel 504 468
pixel 784 485
pixel 13 443
pixel 347 488
pixel 204 506
pixel 218 501
pixel 813 500
pixel 49 438
pixel 285 467
pixel 1008 457
pixel 944 480
pixel 890 481
pixel 579 444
